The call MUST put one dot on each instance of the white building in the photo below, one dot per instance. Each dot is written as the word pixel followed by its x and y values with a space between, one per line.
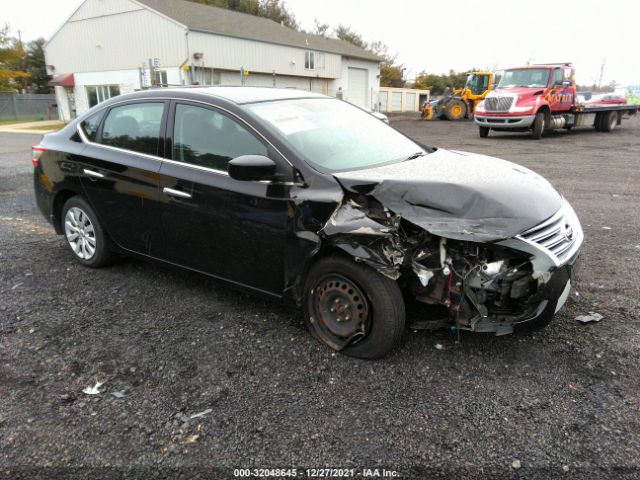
pixel 109 47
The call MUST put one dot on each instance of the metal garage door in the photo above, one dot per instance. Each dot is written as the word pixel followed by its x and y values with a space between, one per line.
pixel 358 86
pixel 383 98
pixel 396 102
pixel 410 102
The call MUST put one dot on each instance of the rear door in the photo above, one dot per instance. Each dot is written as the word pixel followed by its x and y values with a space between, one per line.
pixel 212 223
pixel 119 173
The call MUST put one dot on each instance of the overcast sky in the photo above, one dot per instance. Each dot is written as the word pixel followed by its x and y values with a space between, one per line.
pixel 440 35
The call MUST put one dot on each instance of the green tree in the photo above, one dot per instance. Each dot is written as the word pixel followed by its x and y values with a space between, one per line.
pixel 275 10
pixel 390 71
pixel 36 67
pixel 438 83
pixel 12 74
pixel 321 29
pixel 348 35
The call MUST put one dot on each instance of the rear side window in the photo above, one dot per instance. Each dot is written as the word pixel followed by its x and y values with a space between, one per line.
pixel 91 124
pixel 205 137
pixel 134 127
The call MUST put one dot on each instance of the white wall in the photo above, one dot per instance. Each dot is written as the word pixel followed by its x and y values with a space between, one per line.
pixel 230 53
pixel 127 80
pixel 115 41
pixel 342 82
pixel 64 113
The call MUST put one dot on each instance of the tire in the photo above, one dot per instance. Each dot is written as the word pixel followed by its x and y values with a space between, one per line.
pixel 483 131
pixel 608 121
pixel 538 126
pixel 371 304
pixel 456 110
pixel 84 234
pixel 596 123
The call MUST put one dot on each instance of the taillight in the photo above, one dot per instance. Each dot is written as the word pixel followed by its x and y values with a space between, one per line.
pixel 36 153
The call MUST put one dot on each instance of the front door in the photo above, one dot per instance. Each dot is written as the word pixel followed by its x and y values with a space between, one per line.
pixel 212 223
pixel 119 173
pixel 561 93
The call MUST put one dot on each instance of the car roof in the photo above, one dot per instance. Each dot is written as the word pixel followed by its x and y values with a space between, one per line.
pixel 241 94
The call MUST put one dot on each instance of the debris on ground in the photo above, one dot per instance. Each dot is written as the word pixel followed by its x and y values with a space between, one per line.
pixel 439 346
pixel 592 317
pixel 93 390
pixel 192 438
pixel 201 414
pixel 118 394
pixel 565 468
pixel 516 464
pixel 606 228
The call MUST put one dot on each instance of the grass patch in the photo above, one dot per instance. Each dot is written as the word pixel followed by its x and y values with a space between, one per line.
pixel 22 120
pixel 54 127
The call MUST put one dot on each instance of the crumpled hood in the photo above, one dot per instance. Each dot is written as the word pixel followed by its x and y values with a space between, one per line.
pixel 460 195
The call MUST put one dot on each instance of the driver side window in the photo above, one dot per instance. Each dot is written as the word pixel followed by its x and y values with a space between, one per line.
pixel 557 77
pixel 206 137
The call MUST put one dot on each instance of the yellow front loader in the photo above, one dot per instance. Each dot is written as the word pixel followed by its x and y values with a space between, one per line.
pixel 461 102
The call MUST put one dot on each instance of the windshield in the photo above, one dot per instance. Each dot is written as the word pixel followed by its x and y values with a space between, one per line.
pixel 525 77
pixel 334 135
pixel 477 83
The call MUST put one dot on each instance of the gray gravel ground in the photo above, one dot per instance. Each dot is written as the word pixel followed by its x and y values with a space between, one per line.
pixel 563 402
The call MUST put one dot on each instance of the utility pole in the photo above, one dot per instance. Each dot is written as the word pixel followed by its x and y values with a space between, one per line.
pixel 601 72
pixel 25 85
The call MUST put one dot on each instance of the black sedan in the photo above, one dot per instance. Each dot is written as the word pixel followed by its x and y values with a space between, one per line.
pixel 314 202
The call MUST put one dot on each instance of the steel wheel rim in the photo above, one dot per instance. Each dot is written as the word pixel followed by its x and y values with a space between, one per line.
pixel 80 233
pixel 340 311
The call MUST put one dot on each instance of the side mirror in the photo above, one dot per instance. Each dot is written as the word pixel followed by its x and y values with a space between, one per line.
pixel 251 167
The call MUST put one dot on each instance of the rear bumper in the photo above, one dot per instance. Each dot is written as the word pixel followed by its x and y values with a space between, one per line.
pixel 504 121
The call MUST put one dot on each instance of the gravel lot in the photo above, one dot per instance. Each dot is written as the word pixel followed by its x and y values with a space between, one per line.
pixel 560 403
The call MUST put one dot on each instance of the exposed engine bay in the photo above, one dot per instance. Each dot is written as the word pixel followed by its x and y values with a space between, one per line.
pixel 483 288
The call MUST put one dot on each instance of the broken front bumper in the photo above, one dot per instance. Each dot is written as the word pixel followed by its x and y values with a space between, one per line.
pixel 553 247
pixel 550 298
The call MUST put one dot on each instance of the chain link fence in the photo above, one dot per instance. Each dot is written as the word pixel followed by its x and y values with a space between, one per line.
pixel 27 107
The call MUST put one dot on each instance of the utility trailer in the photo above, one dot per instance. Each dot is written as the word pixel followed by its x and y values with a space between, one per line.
pixel 541 98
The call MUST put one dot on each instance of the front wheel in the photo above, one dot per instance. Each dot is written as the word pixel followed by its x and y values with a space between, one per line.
pixel 483 131
pixel 456 110
pixel 538 126
pixel 352 308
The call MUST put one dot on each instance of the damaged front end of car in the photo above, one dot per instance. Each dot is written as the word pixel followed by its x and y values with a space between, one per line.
pixel 496 284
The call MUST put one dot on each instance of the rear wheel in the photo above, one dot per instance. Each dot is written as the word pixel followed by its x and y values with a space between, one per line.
pixel 608 121
pixel 352 308
pixel 538 126
pixel 84 234
pixel 483 131
pixel 456 110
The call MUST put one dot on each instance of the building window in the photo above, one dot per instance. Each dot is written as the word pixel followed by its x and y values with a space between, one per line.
pixel 99 93
pixel 310 60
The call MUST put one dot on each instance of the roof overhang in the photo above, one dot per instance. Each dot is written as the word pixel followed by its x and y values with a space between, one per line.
pixel 63 80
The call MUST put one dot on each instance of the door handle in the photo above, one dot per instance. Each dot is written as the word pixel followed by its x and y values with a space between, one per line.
pixel 176 193
pixel 92 173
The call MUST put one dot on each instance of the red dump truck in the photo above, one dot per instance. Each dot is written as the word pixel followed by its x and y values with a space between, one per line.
pixel 539 98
